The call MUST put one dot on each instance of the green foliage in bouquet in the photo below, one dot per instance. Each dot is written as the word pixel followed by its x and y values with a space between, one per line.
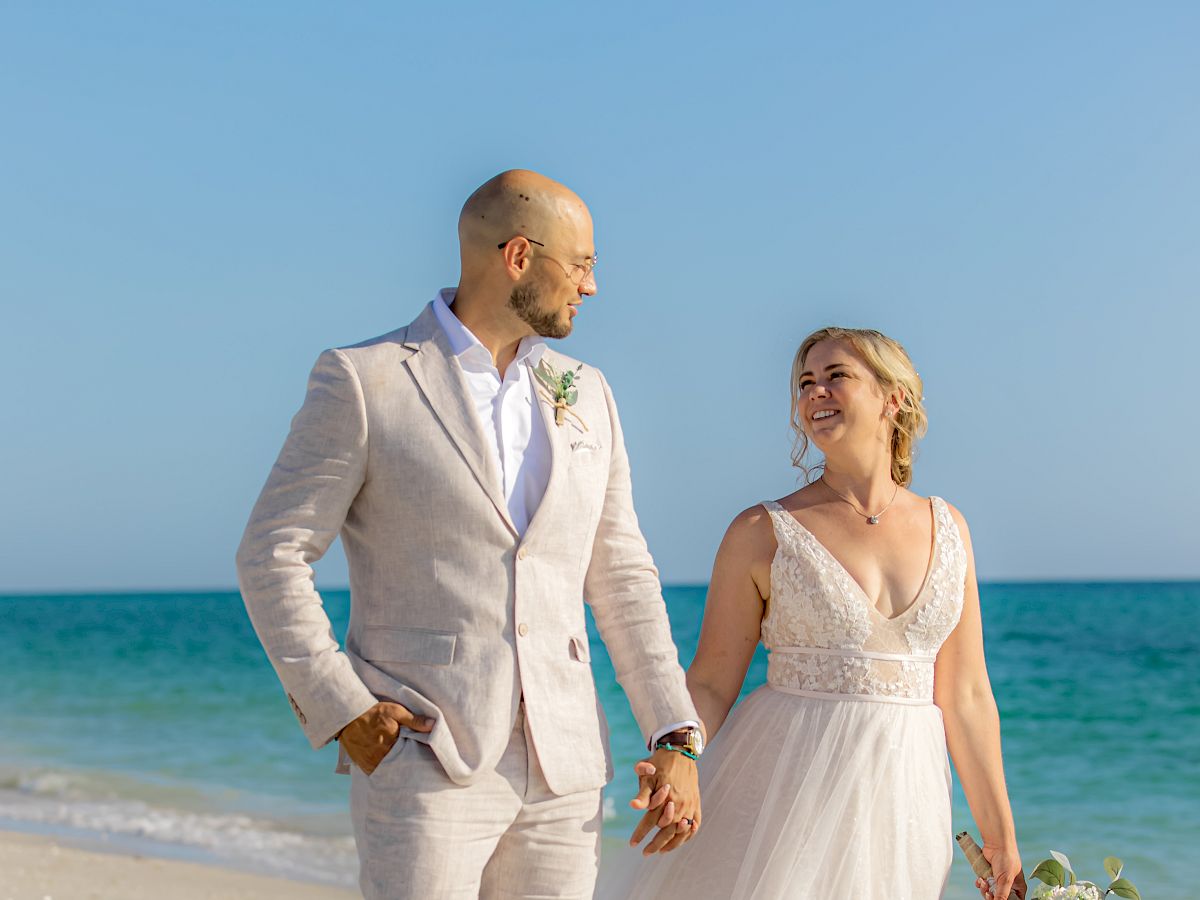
pixel 1058 880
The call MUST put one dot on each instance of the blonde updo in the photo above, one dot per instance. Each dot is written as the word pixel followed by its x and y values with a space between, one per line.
pixel 892 368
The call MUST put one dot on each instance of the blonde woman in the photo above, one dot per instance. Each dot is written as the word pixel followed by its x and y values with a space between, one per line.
pixel 831 781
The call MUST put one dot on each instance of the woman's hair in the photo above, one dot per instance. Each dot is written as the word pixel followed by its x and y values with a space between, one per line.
pixel 892 368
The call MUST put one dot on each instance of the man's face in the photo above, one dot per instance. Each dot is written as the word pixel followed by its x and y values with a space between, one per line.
pixel 548 298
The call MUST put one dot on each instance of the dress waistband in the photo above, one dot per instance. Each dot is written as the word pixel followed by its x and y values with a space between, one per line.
pixel 816 672
pixel 859 654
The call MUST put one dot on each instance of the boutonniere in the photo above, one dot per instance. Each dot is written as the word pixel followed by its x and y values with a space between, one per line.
pixel 560 390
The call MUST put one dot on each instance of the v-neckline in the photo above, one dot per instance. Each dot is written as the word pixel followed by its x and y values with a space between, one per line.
pixel 916 601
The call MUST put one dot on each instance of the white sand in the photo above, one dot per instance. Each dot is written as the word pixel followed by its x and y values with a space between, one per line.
pixel 41 868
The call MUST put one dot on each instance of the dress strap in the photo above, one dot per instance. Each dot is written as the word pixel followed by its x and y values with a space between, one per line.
pixel 778 524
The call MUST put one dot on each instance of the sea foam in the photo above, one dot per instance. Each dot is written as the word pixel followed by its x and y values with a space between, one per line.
pixel 83 805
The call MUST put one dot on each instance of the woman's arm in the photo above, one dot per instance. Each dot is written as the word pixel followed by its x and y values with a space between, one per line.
pixel 962 691
pixel 733 613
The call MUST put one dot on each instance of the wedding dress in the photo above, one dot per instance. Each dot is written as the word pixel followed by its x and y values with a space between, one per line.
pixel 830 781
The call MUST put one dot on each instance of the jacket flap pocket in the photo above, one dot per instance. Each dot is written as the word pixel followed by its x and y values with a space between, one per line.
pixel 579 649
pixel 411 645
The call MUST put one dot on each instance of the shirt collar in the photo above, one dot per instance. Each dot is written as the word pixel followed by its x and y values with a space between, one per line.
pixel 466 346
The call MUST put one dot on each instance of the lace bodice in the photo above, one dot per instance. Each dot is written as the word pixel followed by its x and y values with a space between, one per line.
pixel 827 638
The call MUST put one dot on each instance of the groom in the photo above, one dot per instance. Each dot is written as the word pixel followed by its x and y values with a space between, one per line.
pixel 480 484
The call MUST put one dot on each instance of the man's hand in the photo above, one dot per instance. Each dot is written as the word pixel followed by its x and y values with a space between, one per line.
pixel 370 737
pixel 669 791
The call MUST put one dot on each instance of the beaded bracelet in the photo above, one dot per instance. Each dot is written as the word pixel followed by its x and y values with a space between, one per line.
pixel 668 746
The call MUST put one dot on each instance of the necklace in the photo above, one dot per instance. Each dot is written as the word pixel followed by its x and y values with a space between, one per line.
pixel 871 519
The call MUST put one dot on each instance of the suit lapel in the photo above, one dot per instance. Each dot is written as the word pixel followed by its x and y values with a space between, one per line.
pixel 560 450
pixel 440 378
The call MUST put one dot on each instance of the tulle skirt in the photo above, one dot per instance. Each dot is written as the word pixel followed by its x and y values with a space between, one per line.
pixel 808 797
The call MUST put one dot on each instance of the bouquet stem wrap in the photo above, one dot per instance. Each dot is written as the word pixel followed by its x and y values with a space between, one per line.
pixel 979 865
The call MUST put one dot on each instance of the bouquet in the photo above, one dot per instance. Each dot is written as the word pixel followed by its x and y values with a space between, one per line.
pixel 1057 877
pixel 1059 881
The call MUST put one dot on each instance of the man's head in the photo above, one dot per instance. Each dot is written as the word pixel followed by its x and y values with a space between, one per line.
pixel 529 239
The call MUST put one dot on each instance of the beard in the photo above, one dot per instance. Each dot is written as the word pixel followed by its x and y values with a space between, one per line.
pixel 524 302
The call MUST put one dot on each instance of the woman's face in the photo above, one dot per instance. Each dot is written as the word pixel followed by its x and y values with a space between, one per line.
pixel 841 403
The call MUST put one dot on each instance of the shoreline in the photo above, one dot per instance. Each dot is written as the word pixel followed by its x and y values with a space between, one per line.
pixel 116 813
pixel 39 866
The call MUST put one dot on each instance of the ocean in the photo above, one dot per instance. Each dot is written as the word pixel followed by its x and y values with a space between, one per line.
pixel 153 723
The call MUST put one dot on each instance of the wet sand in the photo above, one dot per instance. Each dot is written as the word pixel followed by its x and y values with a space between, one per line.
pixel 33 867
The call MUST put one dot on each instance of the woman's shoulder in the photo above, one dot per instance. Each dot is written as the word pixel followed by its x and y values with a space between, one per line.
pixel 754 525
pixel 750 538
pixel 806 496
pixel 935 500
pixel 752 520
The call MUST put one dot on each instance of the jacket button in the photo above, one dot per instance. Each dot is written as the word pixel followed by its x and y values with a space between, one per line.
pixel 522 629
pixel 522 553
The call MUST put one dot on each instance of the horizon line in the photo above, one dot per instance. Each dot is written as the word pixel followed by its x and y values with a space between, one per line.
pixel 6 594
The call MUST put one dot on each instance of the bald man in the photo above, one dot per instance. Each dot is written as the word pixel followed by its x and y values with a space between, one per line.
pixel 480 484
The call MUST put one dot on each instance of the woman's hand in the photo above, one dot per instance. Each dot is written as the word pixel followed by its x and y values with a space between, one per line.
pixel 1006 873
pixel 669 791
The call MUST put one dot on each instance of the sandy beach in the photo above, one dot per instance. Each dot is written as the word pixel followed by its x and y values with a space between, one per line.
pixel 43 868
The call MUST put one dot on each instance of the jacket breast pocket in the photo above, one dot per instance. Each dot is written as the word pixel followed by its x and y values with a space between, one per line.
pixel 408 645
pixel 585 460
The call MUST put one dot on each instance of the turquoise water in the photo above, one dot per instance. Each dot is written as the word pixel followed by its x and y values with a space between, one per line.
pixel 154 721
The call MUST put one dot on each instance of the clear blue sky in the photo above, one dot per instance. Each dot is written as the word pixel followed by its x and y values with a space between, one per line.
pixel 196 199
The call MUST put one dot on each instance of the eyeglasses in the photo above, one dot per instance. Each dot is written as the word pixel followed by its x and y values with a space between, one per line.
pixel 575 272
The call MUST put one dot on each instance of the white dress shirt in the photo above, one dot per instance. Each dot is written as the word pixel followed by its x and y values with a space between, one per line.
pixel 507 411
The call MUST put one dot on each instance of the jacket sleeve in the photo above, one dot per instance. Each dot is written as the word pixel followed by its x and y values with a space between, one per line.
pixel 298 514
pixel 623 589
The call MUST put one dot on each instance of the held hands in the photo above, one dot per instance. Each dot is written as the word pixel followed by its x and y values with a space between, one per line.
pixel 1006 873
pixel 370 737
pixel 669 791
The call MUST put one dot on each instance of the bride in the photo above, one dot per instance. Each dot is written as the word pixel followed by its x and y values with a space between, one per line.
pixel 831 781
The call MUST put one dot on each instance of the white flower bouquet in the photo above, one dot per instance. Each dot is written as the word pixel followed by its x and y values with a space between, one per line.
pixel 1059 881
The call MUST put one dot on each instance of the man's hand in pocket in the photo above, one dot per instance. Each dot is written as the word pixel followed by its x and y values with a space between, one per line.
pixel 370 737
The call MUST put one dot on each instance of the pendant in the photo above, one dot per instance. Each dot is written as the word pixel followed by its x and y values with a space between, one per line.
pixel 872 520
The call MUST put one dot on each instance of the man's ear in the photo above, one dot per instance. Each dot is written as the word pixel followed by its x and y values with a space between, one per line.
pixel 518 257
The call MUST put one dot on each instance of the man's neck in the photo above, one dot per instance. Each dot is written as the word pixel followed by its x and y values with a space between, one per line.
pixel 497 329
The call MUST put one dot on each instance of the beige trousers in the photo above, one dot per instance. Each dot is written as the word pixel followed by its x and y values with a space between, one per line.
pixel 420 835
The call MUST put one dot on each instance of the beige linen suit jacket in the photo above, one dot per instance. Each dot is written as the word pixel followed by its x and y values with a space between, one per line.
pixel 453 614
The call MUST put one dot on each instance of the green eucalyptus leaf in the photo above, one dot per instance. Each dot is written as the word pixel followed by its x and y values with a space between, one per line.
pixel 1122 887
pixel 1066 863
pixel 1113 867
pixel 1051 872
pixel 571 397
pixel 546 378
